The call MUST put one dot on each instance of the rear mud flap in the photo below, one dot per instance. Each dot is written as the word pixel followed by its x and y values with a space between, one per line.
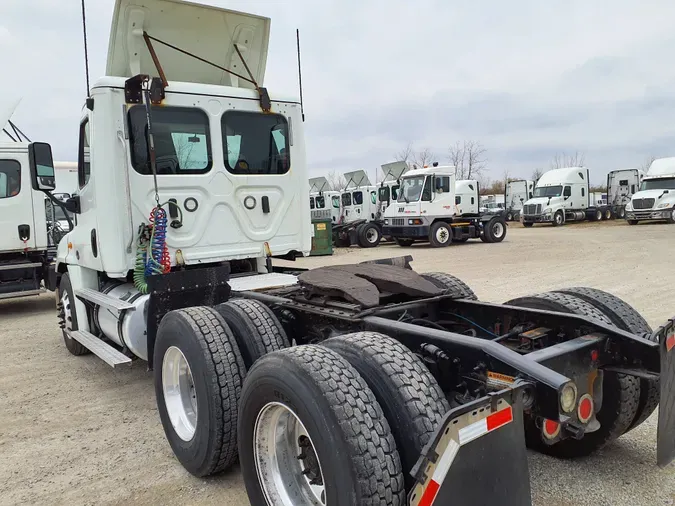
pixel 665 452
pixel 477 456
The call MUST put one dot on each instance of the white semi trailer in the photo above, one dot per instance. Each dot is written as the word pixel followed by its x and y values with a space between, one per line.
pixel 563 195
pixel 655 201
pixel 515 194
pixel 400 388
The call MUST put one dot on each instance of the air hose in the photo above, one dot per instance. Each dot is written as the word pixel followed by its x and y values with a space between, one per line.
pixel 152 254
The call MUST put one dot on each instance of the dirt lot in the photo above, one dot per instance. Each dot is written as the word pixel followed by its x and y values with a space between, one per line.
pixel 73 431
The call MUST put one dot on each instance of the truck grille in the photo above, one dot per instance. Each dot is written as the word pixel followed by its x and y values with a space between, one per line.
pixel 398 222
pixel 643 203
pixel 532 209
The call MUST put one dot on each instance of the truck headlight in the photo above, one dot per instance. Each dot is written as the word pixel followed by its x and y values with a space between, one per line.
pixel 386 222
pixel 568 397
pixel 664 205
pixel 415 222
pixel 629 207
pixel 546 211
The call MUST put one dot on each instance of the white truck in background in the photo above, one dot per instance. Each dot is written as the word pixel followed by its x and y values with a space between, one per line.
pixel 427 210
pixel 389 186
pixel 655 201
pixel 563 195
pixel 360 222
pixel 621 185
pixel 323 203
pixel 515 194
pixel 58 219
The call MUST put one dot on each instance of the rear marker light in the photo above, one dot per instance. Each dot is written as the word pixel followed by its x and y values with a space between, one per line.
pixel 594 355
pixel 551 429
pixel 585 410
pixel 466 435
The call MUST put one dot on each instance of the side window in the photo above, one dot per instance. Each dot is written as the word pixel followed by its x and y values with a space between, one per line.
pixel 373 197
pixel 83 163
pixel 358 198
pixel 581 175
pixel 632 188
pixel 320 202
pixel 471 186
pixel 311 202
pixel 583 192
pixel 530 194
pixel 426 192
pixel 445 184
pixel 336 202
pixel 458 200
pixel 255 143
pixel 394 192
pixel 384 194
pixel 567 192
pixel 10 178
pixel 346 199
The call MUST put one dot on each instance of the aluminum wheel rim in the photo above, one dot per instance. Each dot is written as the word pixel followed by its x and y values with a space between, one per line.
pixel 288 468
pixel 672 214
pixel 442 235
pixel 598 216
pixel 371 235
pixel 497 230
pixel 179 393
pixel 558 219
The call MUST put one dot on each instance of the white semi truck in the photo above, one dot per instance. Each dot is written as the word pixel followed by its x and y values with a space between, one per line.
pixel 563 195
pixel 655 200
pixel 621 185
pixel 171 262
pixel 360 222
pixel 515 194
pixel 426 210
pixel 324 203
pixel 389 186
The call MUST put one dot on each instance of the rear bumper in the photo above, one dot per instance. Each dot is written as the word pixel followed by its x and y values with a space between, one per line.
pixel 412 231
pixel 649 214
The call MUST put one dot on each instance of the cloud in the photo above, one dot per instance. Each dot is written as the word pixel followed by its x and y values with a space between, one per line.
pixel 527 79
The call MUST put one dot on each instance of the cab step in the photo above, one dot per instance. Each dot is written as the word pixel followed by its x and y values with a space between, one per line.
pixel 102 350
pixel 24 293
pixel 9 267
pixel 103 300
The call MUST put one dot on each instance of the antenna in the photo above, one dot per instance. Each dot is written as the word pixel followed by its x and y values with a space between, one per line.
pixel 86 55
pixel 302 107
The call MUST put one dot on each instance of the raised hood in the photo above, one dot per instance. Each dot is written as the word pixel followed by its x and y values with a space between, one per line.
pixel 7 109
pixel 357 178
pixel 393 171
pixel 207 32
pixel 318 184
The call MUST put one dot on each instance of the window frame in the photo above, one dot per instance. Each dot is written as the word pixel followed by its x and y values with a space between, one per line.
pixel 171 108
pixel 83 176
pixel 236 112
pixel 426 194
pixel 333 199
pixel 354 194
pixel 12 161
pixel 349 198
pixel 567 189
pixel 323 200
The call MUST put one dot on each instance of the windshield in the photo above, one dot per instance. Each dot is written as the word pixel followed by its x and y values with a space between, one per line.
pixel 384 194
pixel 336 202
pixel 411 189
pixel 666 183
pixel 320 202
pixel 548 191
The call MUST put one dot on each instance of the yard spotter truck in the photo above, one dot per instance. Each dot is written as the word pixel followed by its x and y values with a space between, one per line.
pixel 563 195
pixel 655 200
pixel 323 203
pixel 427 210
pixel 28 236
pixel 360 222
pixel 346 385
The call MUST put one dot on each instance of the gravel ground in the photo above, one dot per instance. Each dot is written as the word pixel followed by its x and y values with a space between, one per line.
pixel 74 431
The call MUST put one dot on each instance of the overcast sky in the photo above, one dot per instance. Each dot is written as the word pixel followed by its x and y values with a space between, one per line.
pixel 526 78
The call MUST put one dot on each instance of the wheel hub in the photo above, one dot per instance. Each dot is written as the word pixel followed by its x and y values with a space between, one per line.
pixel 371 235
pixel 442 235
pixel 288 467
pixel 180 395
pixel 497 230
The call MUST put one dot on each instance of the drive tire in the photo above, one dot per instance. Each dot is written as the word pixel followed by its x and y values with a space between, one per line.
pixel 672 216
pixel 598 215
pixel 438 233
pixel 67 316
pixel 621 393
pixel 494 230
pixel 255 327
pixel 528 224
pixel 607 215
pixel 410 397
pixel 405 243
pixel 369 235
pixel 217 371
pixel 509 217
pixel 558 219
pixel 622 213
pixel 452 285
pixel 350 436
pixel 627 318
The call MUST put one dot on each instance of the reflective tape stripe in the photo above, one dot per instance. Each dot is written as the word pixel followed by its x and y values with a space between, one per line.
pixel 670 341
pixel 482 427
pixel 441 471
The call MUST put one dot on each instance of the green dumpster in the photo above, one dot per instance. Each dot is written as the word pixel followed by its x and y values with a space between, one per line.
pixel 322 242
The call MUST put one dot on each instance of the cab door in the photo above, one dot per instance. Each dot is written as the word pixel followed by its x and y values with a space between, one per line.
pixel 16 204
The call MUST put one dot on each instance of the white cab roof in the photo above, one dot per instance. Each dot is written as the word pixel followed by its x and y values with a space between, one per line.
pixel 207 32
pixel 662 167
pixel 446 170
pixel 561 176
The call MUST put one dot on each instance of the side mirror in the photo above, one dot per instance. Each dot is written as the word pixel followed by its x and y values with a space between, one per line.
pixel 72 205
pixel 41 166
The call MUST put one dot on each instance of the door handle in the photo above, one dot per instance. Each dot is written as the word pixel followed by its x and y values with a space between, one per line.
pixel 265 204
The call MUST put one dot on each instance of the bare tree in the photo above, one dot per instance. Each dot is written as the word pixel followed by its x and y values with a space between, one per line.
pixel 564 160
pixel 536 174
pixel 647 163
pixel 406 154
pixel 469 159
pixel 423 157
pixel 336 181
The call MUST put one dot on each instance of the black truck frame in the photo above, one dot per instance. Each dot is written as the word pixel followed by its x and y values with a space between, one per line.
pixel 490 360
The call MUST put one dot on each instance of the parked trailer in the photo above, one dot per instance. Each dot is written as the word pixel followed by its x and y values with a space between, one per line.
pixel 515 194
pixel 656 199
pixel 400 385
pixel 621 185
pixel 563 195
pixel 427 211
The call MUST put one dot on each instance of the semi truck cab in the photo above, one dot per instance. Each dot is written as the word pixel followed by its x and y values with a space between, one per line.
pixel 656 199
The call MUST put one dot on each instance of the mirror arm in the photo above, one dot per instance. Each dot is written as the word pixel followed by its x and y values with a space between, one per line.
pixel 63 207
